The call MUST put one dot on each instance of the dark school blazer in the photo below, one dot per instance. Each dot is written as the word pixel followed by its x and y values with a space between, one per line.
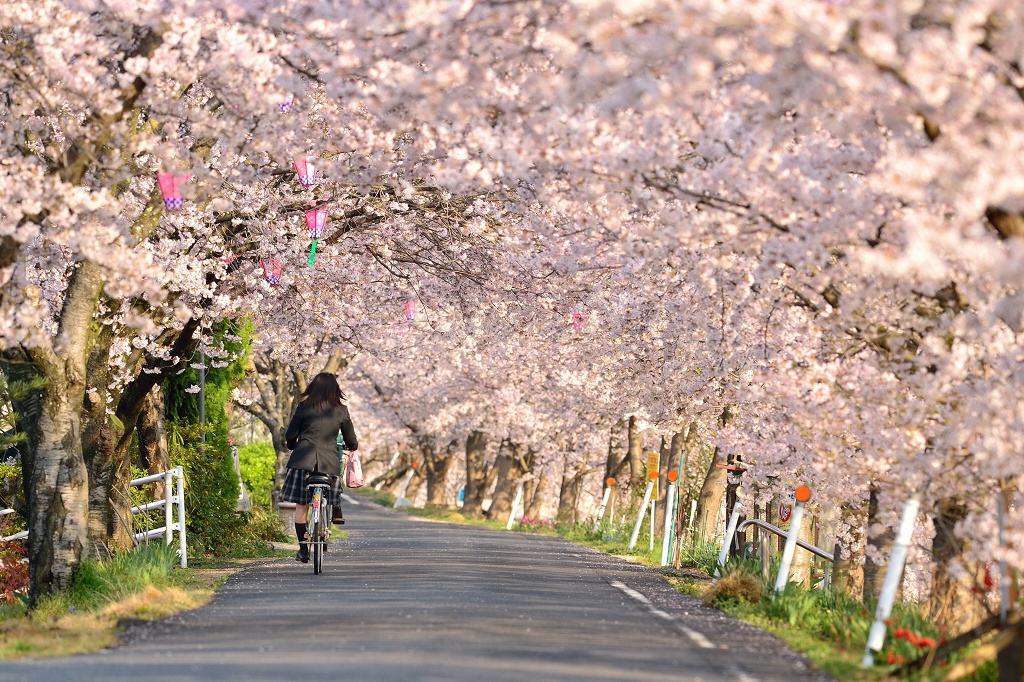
pixel 312 437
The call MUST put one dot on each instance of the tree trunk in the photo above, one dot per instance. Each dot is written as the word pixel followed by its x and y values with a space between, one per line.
pixel 710 499
pixel 534 495
pixel 957 598
pixel 436 465
pixel 59 508
pixel 478 477
pixel 664 454
pixel 507 470
pixel 637 479
pixel 154 455
pixel 569 494
pixel 98 441
pixel 847 571
pixel 882 544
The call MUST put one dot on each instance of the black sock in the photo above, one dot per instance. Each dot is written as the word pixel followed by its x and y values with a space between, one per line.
pixel 300 533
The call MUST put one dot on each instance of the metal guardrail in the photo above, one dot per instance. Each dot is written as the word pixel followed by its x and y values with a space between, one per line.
pixel 174 499
pixel 818 551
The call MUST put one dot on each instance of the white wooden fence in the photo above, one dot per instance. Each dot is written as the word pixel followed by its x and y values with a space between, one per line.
pixel 17 536
pixel 174 498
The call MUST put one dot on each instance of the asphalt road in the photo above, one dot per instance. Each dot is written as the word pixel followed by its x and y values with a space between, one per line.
pixel 403 599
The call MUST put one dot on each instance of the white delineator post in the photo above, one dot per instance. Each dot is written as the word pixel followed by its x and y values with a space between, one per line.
pixel 604 504
pixel 670 517
pixel 790 548
pixel 640 515
pixel 893 577
pixel 400 497
pixel 515 505
pixel 730 532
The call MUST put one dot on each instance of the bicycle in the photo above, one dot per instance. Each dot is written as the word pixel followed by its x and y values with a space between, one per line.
pixel 318 519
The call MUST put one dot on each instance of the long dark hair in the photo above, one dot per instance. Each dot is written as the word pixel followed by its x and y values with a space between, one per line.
pixel 323 392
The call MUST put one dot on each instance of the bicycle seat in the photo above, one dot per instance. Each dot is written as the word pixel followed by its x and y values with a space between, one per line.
pixel 318 479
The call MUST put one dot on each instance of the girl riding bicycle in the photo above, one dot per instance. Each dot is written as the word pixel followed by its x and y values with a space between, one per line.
pixel 312 437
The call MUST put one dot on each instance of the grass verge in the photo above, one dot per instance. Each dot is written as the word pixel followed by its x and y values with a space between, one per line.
pixel 106 595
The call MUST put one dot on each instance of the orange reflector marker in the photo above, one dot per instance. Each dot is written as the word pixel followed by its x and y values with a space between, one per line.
pixel 653 475
pixel 610 482
pixel 802 494
pixel 673 476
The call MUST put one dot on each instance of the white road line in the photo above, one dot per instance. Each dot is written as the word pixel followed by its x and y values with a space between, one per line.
pixel 696 637
pixel 351 500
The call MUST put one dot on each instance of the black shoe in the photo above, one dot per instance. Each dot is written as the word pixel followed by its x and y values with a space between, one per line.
pixel 302 556
pixel 337 518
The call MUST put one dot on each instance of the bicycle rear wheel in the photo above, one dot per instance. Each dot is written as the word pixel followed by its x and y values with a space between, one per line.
pixel 316 543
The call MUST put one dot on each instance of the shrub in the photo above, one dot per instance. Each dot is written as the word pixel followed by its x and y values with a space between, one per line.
pixel 211 489
pixel 13 572
pixel 257 461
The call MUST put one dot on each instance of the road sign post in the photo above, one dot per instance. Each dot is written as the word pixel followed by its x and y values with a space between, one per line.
pixel 670 517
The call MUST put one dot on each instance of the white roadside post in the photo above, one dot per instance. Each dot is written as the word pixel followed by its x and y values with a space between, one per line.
pixel 609 485
pixel 893 577
pixel 515 505
pixel 182 548
pixel 730 533
pixel 693 512
pixel 802 494
pixel 640 515
pixel 670 517
pixel 168 505
pixel 400 500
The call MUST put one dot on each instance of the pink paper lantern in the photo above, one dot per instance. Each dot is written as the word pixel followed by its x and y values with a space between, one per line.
pixel 306 171
pixel 410 310
pixel 316 218
pixel 286 105
pixel 272 270
pixel 170 188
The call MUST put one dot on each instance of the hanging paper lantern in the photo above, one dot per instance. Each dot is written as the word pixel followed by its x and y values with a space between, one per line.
pixel 286 105
pixel 578 320
pixel 410 310
pixel 170 188
pixel 306 171
pixel 272 270
pixel 316 218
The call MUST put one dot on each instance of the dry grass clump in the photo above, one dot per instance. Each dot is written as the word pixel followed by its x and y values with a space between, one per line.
pixel 736 587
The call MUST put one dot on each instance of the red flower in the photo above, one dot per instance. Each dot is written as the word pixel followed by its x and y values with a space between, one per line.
pixel 888 622
pixel 900 633
pixel 893 658
pixel 925 642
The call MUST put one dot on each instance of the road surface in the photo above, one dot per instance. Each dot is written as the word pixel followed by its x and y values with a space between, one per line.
pixel 404 599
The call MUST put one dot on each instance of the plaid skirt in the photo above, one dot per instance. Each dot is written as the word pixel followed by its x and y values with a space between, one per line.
pixel 294 488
